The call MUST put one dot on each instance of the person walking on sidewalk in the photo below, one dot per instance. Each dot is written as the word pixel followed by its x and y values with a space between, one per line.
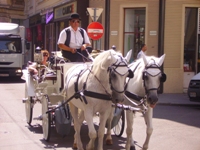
pixel 143 50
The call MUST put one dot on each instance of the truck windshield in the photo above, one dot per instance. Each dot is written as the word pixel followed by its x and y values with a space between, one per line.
pixel 10 45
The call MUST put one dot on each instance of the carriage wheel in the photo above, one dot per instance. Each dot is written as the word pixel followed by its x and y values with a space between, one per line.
pixel 119 128
pixel 46 118
pixel 29 110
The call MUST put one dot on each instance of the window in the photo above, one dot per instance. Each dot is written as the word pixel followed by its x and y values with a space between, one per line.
pixel 134 30
pixel 190 39
pixel 10 45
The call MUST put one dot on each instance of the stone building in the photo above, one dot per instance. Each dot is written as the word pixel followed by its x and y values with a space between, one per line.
pixel 170 27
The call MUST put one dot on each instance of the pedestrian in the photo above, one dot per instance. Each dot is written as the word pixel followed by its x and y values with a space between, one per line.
pixel 143 50
pixel 74 40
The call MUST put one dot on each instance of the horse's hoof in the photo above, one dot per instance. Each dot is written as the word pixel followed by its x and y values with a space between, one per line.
pixel 75 146
pixel 132 148
pixel 109 142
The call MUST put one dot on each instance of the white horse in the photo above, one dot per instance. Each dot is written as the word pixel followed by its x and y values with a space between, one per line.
pixel 145 84
pixel 95 86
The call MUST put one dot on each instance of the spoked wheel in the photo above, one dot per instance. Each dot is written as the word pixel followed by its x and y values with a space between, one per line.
pixel 119 128
pixel 46 118
pixel 29 109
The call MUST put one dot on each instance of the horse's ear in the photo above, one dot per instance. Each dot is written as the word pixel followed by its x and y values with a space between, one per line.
pixel 144 58
pixel 161 60
pixel 128 55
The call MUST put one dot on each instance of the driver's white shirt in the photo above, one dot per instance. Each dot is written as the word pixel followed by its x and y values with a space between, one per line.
pixel 76 39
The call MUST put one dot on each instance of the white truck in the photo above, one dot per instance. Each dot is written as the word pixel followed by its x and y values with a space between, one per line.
pixel 12 49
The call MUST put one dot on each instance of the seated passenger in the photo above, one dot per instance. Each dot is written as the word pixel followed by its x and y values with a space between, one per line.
pixel 37 70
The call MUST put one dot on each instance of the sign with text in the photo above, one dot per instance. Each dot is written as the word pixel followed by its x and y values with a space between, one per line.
pixel 95 30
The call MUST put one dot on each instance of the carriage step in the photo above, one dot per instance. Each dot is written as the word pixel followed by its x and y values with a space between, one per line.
pixel 24 100
pixel 38 118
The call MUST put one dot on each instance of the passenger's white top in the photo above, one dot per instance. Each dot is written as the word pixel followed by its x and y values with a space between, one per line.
pixel 9 28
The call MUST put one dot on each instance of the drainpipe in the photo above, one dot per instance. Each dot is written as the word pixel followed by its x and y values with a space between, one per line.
pixel 161 33
pixel 107 24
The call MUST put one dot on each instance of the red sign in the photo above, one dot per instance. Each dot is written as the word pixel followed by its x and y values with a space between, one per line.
pixel 28 34
pixel 95 30
pixel 39 29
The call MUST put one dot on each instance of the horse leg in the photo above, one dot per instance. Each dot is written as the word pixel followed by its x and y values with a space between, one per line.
pixel 130 145
pixel 108 134
pixel 88 114
pixel 77 139
pixel 148 119
pixel 102 119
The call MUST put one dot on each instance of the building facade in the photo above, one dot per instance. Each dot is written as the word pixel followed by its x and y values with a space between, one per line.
pixel 168 27
pixel 12 11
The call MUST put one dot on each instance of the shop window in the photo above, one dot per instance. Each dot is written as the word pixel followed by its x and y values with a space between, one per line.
pixel 134 30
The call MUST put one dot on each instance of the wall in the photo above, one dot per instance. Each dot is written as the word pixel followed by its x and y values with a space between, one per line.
pixel 174 43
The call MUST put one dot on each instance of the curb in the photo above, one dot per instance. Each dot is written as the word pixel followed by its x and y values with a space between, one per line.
pixel 178 104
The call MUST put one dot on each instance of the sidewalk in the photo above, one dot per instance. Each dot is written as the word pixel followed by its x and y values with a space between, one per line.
pixel 176 99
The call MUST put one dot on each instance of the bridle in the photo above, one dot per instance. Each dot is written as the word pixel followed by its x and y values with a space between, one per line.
pixel 113 68
pixel 145 73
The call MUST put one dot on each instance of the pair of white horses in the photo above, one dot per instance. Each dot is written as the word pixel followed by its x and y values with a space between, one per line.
pixel 104 82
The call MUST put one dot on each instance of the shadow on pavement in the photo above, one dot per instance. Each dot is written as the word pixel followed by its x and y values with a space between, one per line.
pixel 181 114
pixel 57 141
pixel 11 80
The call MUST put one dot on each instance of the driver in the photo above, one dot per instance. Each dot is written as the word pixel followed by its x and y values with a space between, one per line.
pixel 73 40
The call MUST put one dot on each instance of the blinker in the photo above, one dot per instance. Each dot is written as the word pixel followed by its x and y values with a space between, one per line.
pixel 163 77
pixel 130 74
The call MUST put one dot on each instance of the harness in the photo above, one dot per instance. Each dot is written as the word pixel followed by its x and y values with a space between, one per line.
pixel 85 92
pixel 144 73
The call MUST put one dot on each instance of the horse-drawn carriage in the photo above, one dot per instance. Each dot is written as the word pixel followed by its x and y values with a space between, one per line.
pixel 92 87
pixel 48 91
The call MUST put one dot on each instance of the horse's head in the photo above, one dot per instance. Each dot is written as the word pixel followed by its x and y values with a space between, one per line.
pixel 116 69
pixel 152 76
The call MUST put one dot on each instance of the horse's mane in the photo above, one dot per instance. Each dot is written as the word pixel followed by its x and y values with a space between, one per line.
pixel 104 55
pixel 104 60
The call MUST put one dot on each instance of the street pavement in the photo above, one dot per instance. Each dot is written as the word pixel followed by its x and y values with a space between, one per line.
pixel 181 99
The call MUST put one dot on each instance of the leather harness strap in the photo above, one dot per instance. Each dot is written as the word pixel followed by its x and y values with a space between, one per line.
pixel 84 92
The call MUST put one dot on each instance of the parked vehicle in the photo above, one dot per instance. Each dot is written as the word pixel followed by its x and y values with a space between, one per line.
pixel 12 49
pixel 194 88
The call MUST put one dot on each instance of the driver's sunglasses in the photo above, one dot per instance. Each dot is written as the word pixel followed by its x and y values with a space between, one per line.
pixel 77 21
pixel 45 55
